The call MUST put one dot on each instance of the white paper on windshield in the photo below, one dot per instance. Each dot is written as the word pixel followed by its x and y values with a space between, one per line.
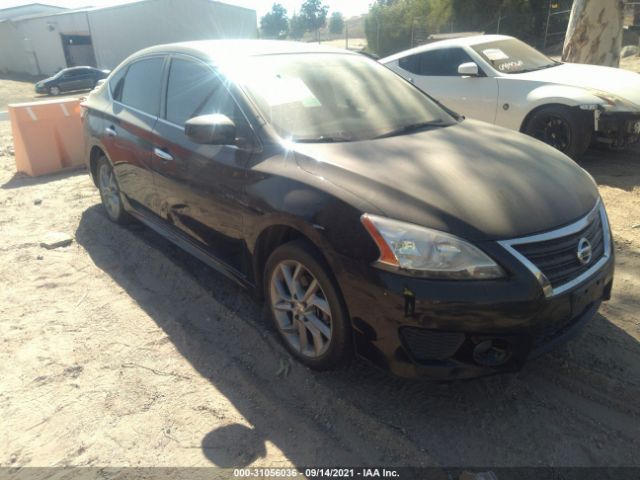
pixel 280 91
pixel 495 54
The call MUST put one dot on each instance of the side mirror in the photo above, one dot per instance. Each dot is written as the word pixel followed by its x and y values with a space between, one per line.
pixel 215 129
pixel 469 69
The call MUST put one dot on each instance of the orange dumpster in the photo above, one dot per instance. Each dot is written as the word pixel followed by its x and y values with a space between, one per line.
pixel 47 136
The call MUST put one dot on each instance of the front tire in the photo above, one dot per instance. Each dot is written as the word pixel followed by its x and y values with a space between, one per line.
pixel 110 192
pixel 566 129
pixel 306 307
pixel 54 91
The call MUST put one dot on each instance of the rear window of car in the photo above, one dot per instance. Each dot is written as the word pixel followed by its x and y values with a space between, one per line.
pixel 140 86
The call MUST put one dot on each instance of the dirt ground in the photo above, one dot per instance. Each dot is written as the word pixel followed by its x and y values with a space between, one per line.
pixel 121 350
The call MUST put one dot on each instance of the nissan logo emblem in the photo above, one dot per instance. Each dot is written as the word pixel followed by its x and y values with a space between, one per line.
pixel 584 252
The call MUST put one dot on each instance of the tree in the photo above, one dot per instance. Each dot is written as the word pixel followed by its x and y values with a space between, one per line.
pixel 391 25
pixel 336 23
pixel 275 23
pixel 314 13
pixel 594 34
pixel 297 27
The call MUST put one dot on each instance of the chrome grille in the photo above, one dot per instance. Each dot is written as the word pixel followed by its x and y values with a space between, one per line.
pixel 558 258
pixel 553 256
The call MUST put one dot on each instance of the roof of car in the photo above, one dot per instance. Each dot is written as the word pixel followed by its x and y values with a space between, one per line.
pixel 221 50
pixel 453 42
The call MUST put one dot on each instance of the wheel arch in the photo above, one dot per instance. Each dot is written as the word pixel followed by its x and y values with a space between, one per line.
pixel 280 233
pixel 556 103
pixel 94 154
pixel 558 96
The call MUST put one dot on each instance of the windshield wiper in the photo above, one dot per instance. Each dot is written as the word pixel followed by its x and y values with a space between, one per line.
pixel 527 70
pixel 413 127
pixel 321 139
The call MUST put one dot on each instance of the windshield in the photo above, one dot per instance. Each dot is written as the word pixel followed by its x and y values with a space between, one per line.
pixel 513 56
pixel 336 97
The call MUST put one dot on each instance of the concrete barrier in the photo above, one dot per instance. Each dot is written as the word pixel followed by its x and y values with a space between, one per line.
pixel 47 136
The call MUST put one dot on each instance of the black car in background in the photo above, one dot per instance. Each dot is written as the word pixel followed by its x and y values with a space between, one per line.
pixel 69 79
pixel 370 218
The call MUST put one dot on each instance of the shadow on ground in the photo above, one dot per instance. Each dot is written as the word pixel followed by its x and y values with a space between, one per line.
pixel 618 169
pixel 20 179
pixel 577 406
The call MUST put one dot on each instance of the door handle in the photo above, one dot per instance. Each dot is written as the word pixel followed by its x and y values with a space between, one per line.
pixel 162 154
pixel 110 132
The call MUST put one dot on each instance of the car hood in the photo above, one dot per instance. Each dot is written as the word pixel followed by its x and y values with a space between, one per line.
pixel 621 83
pixel 472 179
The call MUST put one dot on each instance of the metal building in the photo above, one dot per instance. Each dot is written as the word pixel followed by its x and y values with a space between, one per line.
pixel 103 37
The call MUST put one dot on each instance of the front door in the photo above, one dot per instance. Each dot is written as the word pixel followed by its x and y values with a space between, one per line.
pixel 436 72
pixel 199 186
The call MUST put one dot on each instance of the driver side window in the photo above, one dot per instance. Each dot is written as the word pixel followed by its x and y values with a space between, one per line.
pixel 436 63
pixel 194 89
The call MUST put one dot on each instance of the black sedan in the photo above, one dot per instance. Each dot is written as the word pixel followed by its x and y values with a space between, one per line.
pixel 70 79
pixel 370 218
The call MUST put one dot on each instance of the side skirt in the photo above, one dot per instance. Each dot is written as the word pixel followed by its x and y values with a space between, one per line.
pixel 180 240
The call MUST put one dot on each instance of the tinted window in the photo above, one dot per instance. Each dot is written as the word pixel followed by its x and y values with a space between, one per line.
pixel 436 63
pixel 141 85
pixel 116 83
pixel 194 89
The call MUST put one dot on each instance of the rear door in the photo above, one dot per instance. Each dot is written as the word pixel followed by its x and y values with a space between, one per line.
pixel 128 128
pixel 200 186
pixel 85 79
pixel 69 80
pixel 436 72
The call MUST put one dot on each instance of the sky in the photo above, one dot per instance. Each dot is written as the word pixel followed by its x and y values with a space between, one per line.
pixel 348 8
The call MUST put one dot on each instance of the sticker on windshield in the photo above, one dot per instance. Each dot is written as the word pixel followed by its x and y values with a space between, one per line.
pixel 511 66
pixel 282 90
pixel 495 54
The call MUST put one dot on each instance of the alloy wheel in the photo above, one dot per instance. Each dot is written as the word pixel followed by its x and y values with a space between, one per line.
pixel 301 309
pixel 109 190
pixel 55 91
pixel 554 131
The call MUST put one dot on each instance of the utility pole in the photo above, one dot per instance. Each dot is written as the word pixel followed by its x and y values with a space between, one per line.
pixel 346 35
pixel 546 28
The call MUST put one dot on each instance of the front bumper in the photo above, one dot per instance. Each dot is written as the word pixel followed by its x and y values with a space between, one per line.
pixel 618 129
pixel 41 89
pixel 440 331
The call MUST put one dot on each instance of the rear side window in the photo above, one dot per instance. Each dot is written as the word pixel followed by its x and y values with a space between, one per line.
pixel 194 89
pixel 436 63
pixel 116 83
pixel 140 86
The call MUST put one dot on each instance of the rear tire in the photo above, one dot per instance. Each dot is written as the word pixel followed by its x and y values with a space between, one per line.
pixel 110 192
pixel 564 128
pixel 306 307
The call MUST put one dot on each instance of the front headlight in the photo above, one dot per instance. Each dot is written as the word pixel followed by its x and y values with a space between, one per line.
pixel 421 251
pixel 611 102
